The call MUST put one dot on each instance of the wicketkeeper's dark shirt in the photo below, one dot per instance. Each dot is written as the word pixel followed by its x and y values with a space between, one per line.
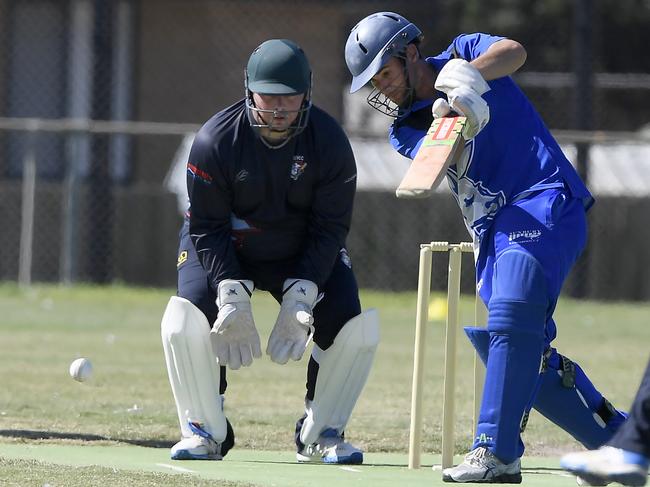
pixel 269 214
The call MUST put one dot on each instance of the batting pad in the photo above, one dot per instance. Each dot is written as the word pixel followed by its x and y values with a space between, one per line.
pixel 342 373
pixel 192 367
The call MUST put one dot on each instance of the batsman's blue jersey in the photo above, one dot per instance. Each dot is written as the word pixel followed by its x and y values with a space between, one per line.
pixel 512 157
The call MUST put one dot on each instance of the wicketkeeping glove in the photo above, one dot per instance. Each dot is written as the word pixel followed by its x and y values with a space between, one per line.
pixel 234 336
pixel 294 327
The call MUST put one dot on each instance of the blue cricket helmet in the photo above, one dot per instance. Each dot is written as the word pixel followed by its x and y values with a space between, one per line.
pixel 373 41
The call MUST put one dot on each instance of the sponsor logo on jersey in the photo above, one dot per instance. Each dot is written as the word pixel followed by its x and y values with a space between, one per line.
pixel 298 167
pixel 241 176
pixel 524 236
pixel 198 174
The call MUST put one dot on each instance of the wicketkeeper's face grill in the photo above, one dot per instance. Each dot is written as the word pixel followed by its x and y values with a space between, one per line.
pixel 266 122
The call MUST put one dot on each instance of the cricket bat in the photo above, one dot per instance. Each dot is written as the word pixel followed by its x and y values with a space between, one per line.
pixel 441 147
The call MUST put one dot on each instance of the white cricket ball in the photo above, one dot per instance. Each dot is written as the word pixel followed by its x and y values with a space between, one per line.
pixel 81 369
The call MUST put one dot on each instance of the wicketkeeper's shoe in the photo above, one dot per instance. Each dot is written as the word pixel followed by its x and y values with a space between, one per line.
pixel 481 465
pixel 330 448
pixel 608 464
pixel 201 445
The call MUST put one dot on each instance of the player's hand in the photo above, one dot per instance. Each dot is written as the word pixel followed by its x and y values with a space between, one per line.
pixel 458 73
pixel 470 105
pixel 440 108
pixel 234 336
pixel 294 327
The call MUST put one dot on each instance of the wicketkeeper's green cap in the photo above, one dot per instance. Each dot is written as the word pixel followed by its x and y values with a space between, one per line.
pixel 278 67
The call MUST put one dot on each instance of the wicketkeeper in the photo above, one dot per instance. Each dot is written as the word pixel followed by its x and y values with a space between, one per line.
pixel 271 182
pixel 524 206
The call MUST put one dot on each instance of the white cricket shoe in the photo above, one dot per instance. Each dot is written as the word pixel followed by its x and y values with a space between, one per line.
pixel 331 448
pixel 608 464
pixel 201 446
pixel 196 447
pixel 481 465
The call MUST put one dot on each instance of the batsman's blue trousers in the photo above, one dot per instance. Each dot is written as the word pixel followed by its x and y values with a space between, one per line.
pixel 523 261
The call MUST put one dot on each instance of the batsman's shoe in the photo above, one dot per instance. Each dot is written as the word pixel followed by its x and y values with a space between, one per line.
pixel 480 465
pixel 608 464
pixel 583 482
pixel 330 448
pixel 201 445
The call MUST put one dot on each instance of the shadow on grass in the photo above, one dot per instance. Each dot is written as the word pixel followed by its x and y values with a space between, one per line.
pixel 57 435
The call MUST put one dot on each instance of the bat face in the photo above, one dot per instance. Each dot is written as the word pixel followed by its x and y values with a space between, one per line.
pixel 440 148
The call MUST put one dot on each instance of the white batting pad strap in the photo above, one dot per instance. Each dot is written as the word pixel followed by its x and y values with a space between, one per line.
pixel 342 374
pixel 192 368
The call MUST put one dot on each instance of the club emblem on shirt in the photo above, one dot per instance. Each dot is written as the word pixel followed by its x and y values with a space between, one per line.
pixel 298 167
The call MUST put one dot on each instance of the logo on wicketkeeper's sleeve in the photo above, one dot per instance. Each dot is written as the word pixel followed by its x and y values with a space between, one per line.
pixel 345 258
pixel 182 257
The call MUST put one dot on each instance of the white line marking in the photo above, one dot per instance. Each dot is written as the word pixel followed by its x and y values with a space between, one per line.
pixel 172 467
pixel 350 469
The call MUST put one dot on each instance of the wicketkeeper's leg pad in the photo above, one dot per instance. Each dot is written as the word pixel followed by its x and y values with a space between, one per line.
pixel 343 370
pixel 192 368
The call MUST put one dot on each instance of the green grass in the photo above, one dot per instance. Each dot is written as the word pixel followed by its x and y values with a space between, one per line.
pixel 129 400
pixel 22 473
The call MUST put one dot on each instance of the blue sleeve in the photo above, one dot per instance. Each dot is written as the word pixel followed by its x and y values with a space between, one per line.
pixel 405 140
pixel 471 46
pixel 331 211
pixel 210 212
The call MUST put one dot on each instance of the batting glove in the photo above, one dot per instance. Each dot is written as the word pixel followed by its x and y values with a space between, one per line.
pixel 458 73
pixel 467 104
pixel 294 327
pixel 234 336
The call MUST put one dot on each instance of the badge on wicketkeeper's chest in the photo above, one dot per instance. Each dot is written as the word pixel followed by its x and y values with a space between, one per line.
pixel 298 167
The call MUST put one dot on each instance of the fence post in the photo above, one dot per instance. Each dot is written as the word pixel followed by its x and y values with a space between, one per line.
pixel 27 212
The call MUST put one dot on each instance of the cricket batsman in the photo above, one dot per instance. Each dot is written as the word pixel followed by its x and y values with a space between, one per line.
pixel 524 206
pixel 271 181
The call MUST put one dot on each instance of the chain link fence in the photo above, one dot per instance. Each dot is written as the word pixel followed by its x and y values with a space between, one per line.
pixel 84 201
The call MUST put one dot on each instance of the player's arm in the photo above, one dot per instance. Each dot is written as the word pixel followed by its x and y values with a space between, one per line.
pixel 502 58
pixel 476 58
pixel 235 338
pixel 331 212
pixel 210 212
